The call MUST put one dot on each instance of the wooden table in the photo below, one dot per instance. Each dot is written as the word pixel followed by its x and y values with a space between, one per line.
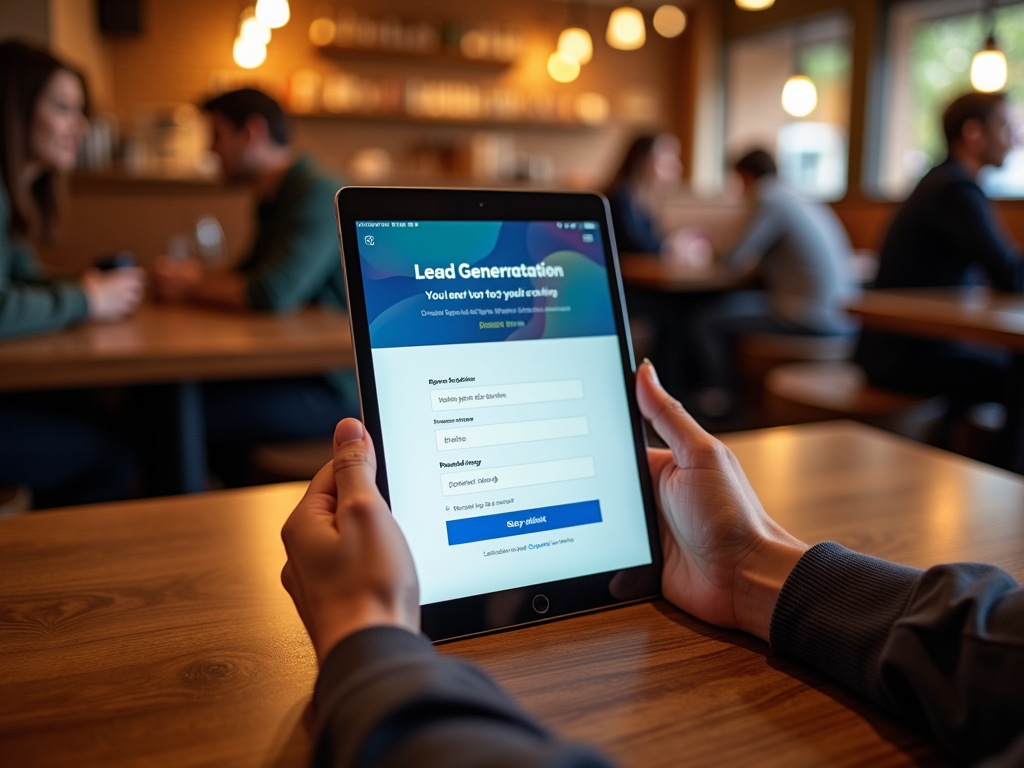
pixel 976 315
pixel 182 345
pixel 651 272
pixel 157 633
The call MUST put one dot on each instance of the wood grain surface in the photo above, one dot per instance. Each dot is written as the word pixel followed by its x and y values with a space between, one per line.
pixel 167 343
pixel 156 632
pixel 974 314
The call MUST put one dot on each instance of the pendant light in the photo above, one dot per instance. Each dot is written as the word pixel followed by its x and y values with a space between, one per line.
pixel 273 13
pixel 988 70
pixel 799 94
pixel 576 42
pixel 669 21
pixel 626 30
pixel 754 5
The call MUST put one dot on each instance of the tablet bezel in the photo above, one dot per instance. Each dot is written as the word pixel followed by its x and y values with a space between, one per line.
pixel 496 611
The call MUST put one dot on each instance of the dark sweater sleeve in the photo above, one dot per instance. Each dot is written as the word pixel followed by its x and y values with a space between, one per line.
pixel 384 697
pixel 943 647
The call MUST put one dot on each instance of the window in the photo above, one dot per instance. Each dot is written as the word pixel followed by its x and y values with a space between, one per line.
pixel 811 151
pixel 931 46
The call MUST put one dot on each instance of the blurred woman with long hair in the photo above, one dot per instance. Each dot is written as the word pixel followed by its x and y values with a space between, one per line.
pixel 45 443
pixel 649 170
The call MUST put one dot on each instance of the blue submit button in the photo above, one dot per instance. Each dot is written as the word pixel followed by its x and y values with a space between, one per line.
pixel 498 526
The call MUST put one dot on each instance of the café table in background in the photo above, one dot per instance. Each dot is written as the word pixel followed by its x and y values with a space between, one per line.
pixel 156 632
pixel 183 346
pixel 977 315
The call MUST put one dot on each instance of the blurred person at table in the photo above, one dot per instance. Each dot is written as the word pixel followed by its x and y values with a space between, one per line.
pixel 947 235
pixel 649 171
pixel 800 252
pixel 294 262
pixel 942 649
pixel 46 441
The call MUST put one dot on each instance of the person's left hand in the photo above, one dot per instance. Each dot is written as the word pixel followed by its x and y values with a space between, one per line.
pixel 349 566
pixel 175 279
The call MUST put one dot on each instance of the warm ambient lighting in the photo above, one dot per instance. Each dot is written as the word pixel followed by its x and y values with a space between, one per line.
pixel 248 53
pixel 577 43
pixel 626 30
pixel 322 31
pixel 273 13
pixel 669 21
pixel 755 5
pixel 251 29
pixel 988 70
pixel 563 67
pixel 799 96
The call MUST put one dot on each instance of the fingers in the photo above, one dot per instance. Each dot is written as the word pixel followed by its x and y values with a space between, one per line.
pixel 668 417
pixel 355 464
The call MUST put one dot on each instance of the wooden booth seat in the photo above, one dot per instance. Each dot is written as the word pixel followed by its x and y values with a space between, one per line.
pixel 803 392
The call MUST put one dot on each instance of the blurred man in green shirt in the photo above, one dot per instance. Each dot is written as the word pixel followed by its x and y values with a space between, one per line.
pixel 293 262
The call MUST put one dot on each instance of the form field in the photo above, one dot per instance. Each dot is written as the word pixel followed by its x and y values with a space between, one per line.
pixel 511 432
pixel 517 476
pixel 505 394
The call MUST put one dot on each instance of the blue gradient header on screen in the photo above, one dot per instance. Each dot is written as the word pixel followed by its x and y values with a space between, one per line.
pixel 458 282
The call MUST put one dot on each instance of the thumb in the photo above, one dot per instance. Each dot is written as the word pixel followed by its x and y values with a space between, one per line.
pixel 670 420
pixel 355 463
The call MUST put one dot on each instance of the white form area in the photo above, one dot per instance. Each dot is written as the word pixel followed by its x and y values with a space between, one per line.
pixel 500 478
pixel 512 432
pixel 573 442
pixel 506 394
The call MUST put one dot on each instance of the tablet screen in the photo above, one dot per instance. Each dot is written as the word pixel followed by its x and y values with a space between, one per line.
pixel 506 429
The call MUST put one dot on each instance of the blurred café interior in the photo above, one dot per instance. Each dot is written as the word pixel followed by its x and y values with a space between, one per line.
pixel 162 343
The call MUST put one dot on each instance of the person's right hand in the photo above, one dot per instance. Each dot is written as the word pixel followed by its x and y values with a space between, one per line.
pixel 113 295
pixel 725 559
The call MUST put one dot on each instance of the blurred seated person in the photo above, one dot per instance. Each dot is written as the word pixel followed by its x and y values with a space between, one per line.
pixel 650 169
pixel 295 261
pixel 800 252
pixel 48 441
pixel 947 235
pixel 938 649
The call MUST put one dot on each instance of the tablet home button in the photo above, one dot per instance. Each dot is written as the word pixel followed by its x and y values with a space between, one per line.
pixel 541 604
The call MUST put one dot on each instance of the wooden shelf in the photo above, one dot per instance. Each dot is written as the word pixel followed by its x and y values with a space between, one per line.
pixel 404 119
pixel 440 59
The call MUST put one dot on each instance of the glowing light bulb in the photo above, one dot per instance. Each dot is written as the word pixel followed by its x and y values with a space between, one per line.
pixel 563 67
pixel 273 13
pixel 754 5
pixel 988 70
pixel 669 21
pixel 626 30
pixel 799 96
pixel 322 31
pixel 577 43
pixel 251 29
pixel 248 53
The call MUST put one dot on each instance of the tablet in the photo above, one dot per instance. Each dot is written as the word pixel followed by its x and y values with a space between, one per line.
pixel 496 379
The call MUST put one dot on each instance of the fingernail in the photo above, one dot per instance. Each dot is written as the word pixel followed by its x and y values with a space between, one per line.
pixel 347 431
pixel 654 371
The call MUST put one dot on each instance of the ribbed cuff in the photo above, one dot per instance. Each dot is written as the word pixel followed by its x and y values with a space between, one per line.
pixel 836 611
pixel 360 649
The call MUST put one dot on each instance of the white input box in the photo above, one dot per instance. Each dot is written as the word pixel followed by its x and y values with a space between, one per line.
pixel 505 394
pixel 510 432
pixel 517 476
